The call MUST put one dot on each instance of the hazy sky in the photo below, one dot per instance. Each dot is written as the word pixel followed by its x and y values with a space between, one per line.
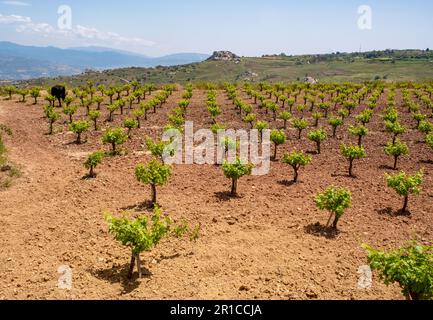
pixel 246 27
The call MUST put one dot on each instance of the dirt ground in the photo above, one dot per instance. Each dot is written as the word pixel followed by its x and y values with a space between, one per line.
pixel 262 245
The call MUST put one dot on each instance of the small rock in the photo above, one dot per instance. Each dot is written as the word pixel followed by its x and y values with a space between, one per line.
pixel 214 220
pixel 244 288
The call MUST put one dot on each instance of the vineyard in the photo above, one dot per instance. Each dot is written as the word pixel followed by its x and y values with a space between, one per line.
pixel 351 173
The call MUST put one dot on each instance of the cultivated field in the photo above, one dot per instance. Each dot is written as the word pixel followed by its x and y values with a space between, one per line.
pixel 269 242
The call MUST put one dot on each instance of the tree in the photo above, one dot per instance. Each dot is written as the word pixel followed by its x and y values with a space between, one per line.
pixel 317 116
pixel 130 124
pixel 93 161
pixel 418 117
pixel 261 126
pixel 158 148
pixel 250 118
pixel 405 185
pixel 335 123
pixel 154 174
pixel 79 127
pixel 68 100
pixel 52 117
pixel 364 117
pixel 336 201
pixel 425 127
pixel 215 111
pixel 50 99
pixel 112 108
pixel 352 153
pixel 114 137
pixel 98 100
pixel 395 128
pixel 411 267
pixel 396 149
pixel 360 132
pixel 285 116
pixel 296 160
pixel 94 115
pixel 35 93
pixel 278 137
pixel 140 235
pixel 70 111
pixel 235 171
pixel 301 125
pixel 318 136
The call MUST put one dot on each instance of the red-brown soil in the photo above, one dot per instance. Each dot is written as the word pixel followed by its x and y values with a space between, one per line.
pixel 257 246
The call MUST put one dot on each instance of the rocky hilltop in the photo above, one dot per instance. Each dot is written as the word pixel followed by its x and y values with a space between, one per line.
pixel 224 56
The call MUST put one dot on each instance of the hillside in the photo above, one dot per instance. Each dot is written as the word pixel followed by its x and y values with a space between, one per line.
pixel 404 65
pixel 19 62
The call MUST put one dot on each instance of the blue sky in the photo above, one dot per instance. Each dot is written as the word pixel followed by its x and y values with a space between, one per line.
pixel 249 27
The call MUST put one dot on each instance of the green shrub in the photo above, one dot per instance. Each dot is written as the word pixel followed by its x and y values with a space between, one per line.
pixel 425 127
pixel 411 267
pixel 158 148
pixel 352 153
pixel 360 132
pixel 396 149
pixel 235 171
pixel 79 127
pixel 301 125
pixel 115 137
pixel 154 174
pixel 250 118
pixel 52 117
pixel 278 137
pixel 93 161
pixel 130 124
pixel 405 185
pixel 297 160
pixel 395 128
pixel 335 123
pixel 285 116
pixel 336 201
pixel 318 136
pixel 94 115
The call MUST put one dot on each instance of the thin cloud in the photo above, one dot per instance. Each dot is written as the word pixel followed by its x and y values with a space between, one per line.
pixel 83 33
pixel 16 3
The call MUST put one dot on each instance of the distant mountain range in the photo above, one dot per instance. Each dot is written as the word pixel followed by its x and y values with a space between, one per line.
pixel 18 62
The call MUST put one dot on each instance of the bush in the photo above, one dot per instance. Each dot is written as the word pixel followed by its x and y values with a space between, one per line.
pixel 425 127
pixel 395 128
pixel 352 153
pixel 93 161
pixel 94 115
pixel 130 124
pixel 261 126
pixel 285 116
pixel 140 235
pixel 278 137
pixel 318 136
pixel 79 127
pixel 52 117
pixel 396 149
pixel 35 93
pixel 364 117
pixel 154 174
pixel 114 137
pixel 317 116
pixel 301 125
pixel 360 132
pixel 405 185
pixel 411 267
pixel 158 148
pixel 235 171
pixel 335 123
pixel 70 111
pixel 250 118
pixel 336 201
pixel 297 160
